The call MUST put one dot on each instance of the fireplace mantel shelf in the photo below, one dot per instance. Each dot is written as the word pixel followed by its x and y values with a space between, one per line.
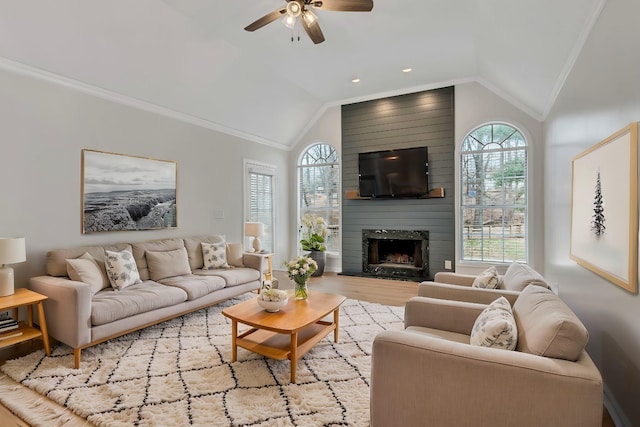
pixel 435 193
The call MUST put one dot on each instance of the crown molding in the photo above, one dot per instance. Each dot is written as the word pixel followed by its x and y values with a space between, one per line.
pixel 37 73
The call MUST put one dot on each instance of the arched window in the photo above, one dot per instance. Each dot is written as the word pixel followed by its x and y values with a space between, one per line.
pixel 493 194
pixel 319 189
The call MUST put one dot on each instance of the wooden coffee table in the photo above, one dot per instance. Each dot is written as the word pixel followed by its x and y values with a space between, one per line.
pixel 287 334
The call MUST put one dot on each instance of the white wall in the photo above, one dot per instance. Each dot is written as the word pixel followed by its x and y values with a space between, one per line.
pixel 476 105
pixel 600 96
pixel 44 128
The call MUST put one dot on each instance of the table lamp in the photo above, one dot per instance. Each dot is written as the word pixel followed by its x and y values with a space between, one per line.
pixel 255 230
pixel 12 251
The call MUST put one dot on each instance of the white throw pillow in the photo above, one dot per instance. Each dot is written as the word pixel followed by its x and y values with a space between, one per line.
pixel 214 255
pixel 85 269
pixel 488 279
pixel 122 270
pixel 495 327
pixel 234 254
pixel 167 264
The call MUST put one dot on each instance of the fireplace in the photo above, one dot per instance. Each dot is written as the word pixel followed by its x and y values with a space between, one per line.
pixel 398 254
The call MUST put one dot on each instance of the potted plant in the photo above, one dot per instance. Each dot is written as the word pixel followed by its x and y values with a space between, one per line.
pixel 314 233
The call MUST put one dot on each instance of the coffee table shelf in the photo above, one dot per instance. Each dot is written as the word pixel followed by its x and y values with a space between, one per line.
pixel 278 346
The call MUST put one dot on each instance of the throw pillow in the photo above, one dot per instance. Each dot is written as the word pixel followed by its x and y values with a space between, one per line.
pixel 167 264
pixel 547 325
pixel 495 327
pixel 122 270
pixel 214 255
pixel 519 276
pixel 85 269
pixel 488 279
pixel 234 254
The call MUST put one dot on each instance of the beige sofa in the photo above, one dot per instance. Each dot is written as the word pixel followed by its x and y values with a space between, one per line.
pixel 459 287
pixel 80 316
pixel 430 374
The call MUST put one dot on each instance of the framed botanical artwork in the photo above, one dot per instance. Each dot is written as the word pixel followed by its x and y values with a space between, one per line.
pixel 604 208
pixel 121 192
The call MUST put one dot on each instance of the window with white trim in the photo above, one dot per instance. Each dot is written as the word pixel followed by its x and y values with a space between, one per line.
pixel 260 197
pixel 493 194
pixel 319 189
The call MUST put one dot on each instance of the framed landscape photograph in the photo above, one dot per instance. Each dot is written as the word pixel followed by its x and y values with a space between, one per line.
pixel 121 192
pixel 604 208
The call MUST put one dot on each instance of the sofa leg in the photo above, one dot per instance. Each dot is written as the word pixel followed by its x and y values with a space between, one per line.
pixel 76 357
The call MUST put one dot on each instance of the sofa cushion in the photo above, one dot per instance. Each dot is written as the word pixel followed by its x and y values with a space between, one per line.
pixel 56 262
pixel 195 286
pixel 121 269
pixel 108 306
pixel 139 251
pixel 86 269
pixel 439 333
pixel 519 276
pixel 234 254
pixel 488 279
pixel 547 327
pixel 194 249
pixel 214 255
pixel 495 327
pixel 167 264
pixel 232 276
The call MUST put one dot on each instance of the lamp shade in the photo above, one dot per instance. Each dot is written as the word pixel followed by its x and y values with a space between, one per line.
pixel 12 250
pixel 254 229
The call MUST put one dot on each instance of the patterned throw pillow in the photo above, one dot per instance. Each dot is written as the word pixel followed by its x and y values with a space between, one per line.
pixel 488 279
pixel 496 327
pixel 122 270
pixel 214 255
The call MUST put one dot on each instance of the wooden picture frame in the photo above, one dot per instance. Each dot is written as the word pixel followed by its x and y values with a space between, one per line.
pixel 604 208
pixel 122 192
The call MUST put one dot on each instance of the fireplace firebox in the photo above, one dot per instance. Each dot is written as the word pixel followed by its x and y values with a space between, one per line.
pixel 400 254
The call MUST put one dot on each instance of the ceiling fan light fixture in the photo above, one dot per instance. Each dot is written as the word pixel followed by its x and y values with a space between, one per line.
pixel 294 9
pixel 407 70
pixel 309 17
pixel 355 80
pixel 289 21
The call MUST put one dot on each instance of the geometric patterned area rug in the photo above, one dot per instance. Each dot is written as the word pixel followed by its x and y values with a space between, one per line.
pixel 178 373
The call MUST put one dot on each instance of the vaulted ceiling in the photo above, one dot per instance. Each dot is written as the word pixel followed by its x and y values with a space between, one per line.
pixel 192 58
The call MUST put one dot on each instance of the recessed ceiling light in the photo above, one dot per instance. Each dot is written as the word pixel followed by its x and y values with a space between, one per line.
pixel 406 70
pixel 355 80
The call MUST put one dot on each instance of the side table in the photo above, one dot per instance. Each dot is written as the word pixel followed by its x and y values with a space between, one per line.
pixel 25 298
pixel 268 274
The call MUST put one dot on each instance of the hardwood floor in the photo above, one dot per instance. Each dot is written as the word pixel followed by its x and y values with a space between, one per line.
pixel 382 291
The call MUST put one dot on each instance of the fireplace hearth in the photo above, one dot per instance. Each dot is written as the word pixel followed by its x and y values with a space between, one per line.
pixel 398 254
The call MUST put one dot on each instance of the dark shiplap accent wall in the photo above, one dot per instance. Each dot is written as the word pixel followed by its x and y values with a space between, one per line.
pixel 413 120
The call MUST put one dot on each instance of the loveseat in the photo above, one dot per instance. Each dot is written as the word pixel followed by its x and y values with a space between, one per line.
pixel 433 373
pixel 171 280
pixel 484 287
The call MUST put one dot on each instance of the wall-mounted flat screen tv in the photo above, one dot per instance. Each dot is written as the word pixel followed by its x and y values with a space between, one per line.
pixel 394 173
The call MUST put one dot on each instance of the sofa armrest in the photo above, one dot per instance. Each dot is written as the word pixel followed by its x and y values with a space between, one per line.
pixel 67 309
pixel 452 316
pixel 417 378
pixel 254 261
pixel 454 278
pixel 465 293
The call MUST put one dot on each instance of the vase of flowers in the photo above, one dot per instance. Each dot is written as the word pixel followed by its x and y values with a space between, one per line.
pixel 300 269
pixel 314 233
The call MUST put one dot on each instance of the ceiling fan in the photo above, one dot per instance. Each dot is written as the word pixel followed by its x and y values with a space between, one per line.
pixel 302 9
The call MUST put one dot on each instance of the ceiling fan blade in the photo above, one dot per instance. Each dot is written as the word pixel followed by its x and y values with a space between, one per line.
pixel 314 31
pixel 344 5
pixel 266 19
